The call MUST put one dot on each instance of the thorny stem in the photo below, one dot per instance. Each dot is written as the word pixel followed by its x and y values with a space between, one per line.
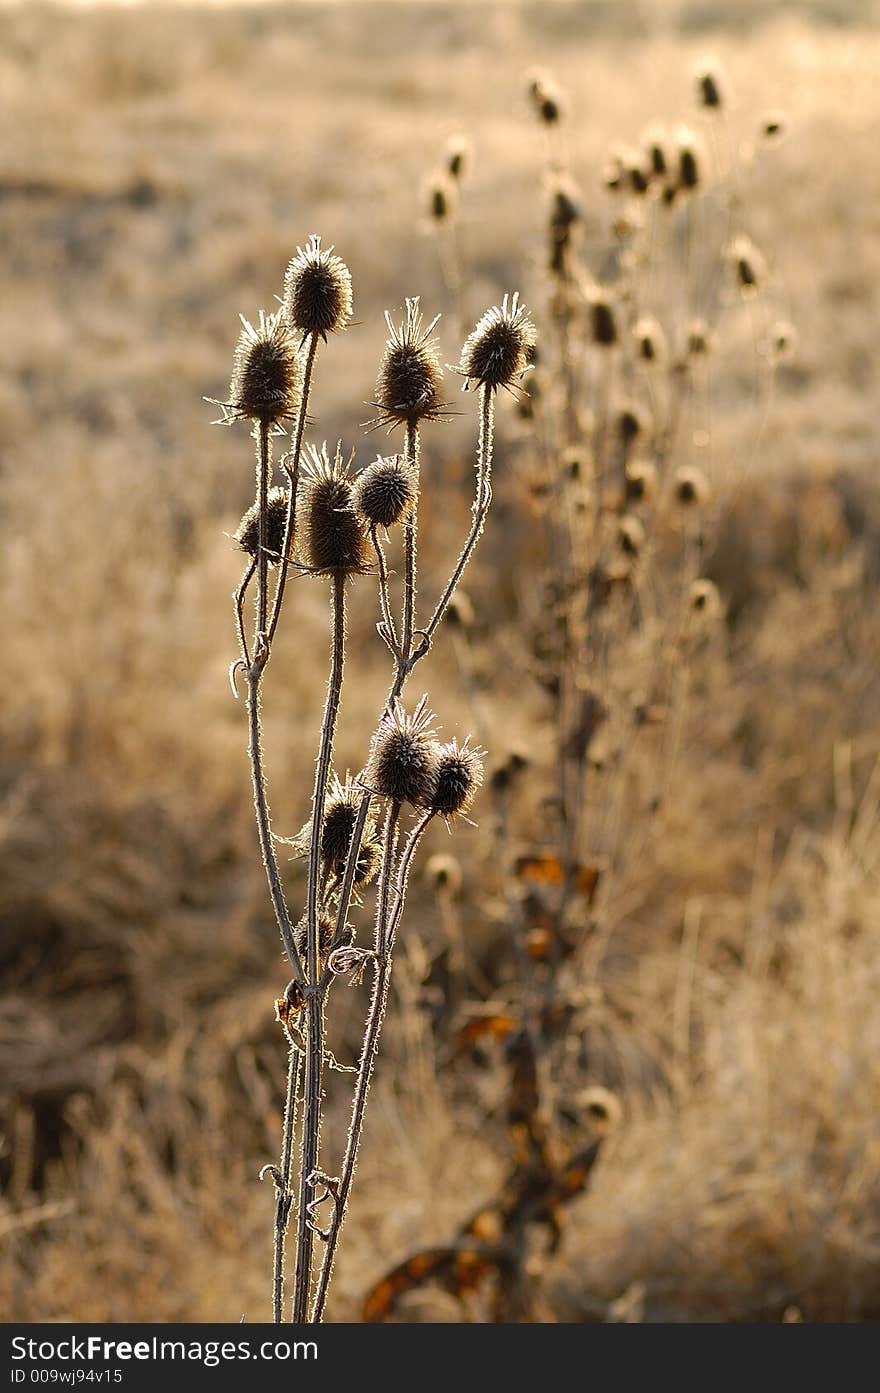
pixel 411 528
pixel 384 597
pixel 238 597
pixel 386 929
pixel 314 1004
pixel 480 509
pixel 291 467
pixel 283 1192
pixel 263 463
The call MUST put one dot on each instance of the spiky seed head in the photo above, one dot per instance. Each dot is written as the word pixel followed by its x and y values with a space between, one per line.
pixel 614 174
pixel 602 1107
pixel 710 87
pixel 332 540
pixel 458 776
pixel 699 338
pixel 326 931
pixel 504 774
pixel 603 323
pixel 441 198
pixel 705 599
pixel 638 172
pixel 629 425
pixel 565 204
pixel 247 534
pixel 773 126
pixel 408 386
pixel 691 487
pixel 385 491
pixel 640 480
pixel 749 266
pixel 497 351
pixel 657 153
pixel 266 381
pixel 546 98
pixel 689 159
pixel 459 156
pixel 650 340
pixel 340 815
pixel 443 874
pixel 403 756
pixel 630 535
pixel 317 291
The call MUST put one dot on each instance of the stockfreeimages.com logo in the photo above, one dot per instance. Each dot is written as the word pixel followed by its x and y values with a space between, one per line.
pixel 94 1348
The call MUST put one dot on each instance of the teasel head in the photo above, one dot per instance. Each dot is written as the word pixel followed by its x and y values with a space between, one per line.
pixel 657 156
pixel 408 388
pixel 565 216
pixel 247 534
pixel 547 100
pixel 689 172
pixel 705 600
pixel 630 535
pixel 650 340
pixel 459 157
pixel 630 426
pixel 317 291
pixel 710 87
pixel 690 487
pixel 640 481
pixel 498 351
pixel 614 172
pixel 332 540
pixel 340 815
pixel 637 172
pixel 441 199
pixel 458 776
pixel 385 491
pixel 748 264
pixel 326 931
pixel 602 1108
pixel 773 127
pixel 443 874
pixel 602 319
pixel 403 756
pixel 267 373
pixel 699 338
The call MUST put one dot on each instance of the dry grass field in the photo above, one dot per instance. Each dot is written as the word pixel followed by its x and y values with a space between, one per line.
pixel 158 168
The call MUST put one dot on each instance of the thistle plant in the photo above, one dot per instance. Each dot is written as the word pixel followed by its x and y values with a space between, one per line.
pixel 331 522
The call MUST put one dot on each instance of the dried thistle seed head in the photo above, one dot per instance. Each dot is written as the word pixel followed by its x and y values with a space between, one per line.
pixel 350 959
pixel 266 381
pixel 408 385
pixel 385 491
pixel 773 126
pixel 629 425
pixel 498 350
pixel 710 86
pixel 614 173
pixel 705 599
pixel 458 776
pixel 460 611
pixel 441 198
pixel 699 338
pixel 602 1107
pixel 340 816
pixel 637 172
pixel 602 320
pixel 640 482
pixel 443 874
pixel 504 774
pixel 459 156
pixel 689 159
pixel 650 340
pixel 748 264
pixel 326 931
pixel 317 291
pixel 656 145
pixel 630 535
pixel 691 487
pixel 331 538
pixel 546 98
pixel 403 756
pixel 565 204
pixel 247 534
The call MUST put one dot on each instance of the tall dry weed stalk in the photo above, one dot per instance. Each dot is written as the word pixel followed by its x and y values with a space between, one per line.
pixel 332 524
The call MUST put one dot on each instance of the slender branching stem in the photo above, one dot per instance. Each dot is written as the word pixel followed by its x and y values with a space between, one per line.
pixel 384 596
pixel 238 597
pixel 387 920
pixel 263 466
pixel 314 1007
pixel 410 540
pixel 291 468
pixel 283 1191
pixel 480 509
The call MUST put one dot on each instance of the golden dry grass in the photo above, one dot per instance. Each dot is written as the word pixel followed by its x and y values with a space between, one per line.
pixel 157 169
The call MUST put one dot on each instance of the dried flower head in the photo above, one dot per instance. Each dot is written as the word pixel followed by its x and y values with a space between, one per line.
pixel 629 425
pixel 497 352
pixel 602 320
pixel 749 266
pixel 458 775
pixel 317 291
pixel 640 480
pixel 630 535
pixel 773 127
pixel 699 338
pixel 349 959
pixel 705 599
pixel 332 539
pixel 459 156
pixel 326 931
pixel 247 534
pixel 602 1107
pixel 385 491
pixel 690 486
pixel 689 159
pixel 441 198
pixel 650 340
pixel 267 373
pixel 443 873
pixel 504 773
pixel 408 385
pixel 710 86
pixel 546 98
pixel 340 815
pixel 403 756
pixel 656 143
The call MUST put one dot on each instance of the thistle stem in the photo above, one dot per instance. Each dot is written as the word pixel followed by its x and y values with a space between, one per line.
pixel 314 1004
pixel 283 1192
pixel 411 529
pixel 291 468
